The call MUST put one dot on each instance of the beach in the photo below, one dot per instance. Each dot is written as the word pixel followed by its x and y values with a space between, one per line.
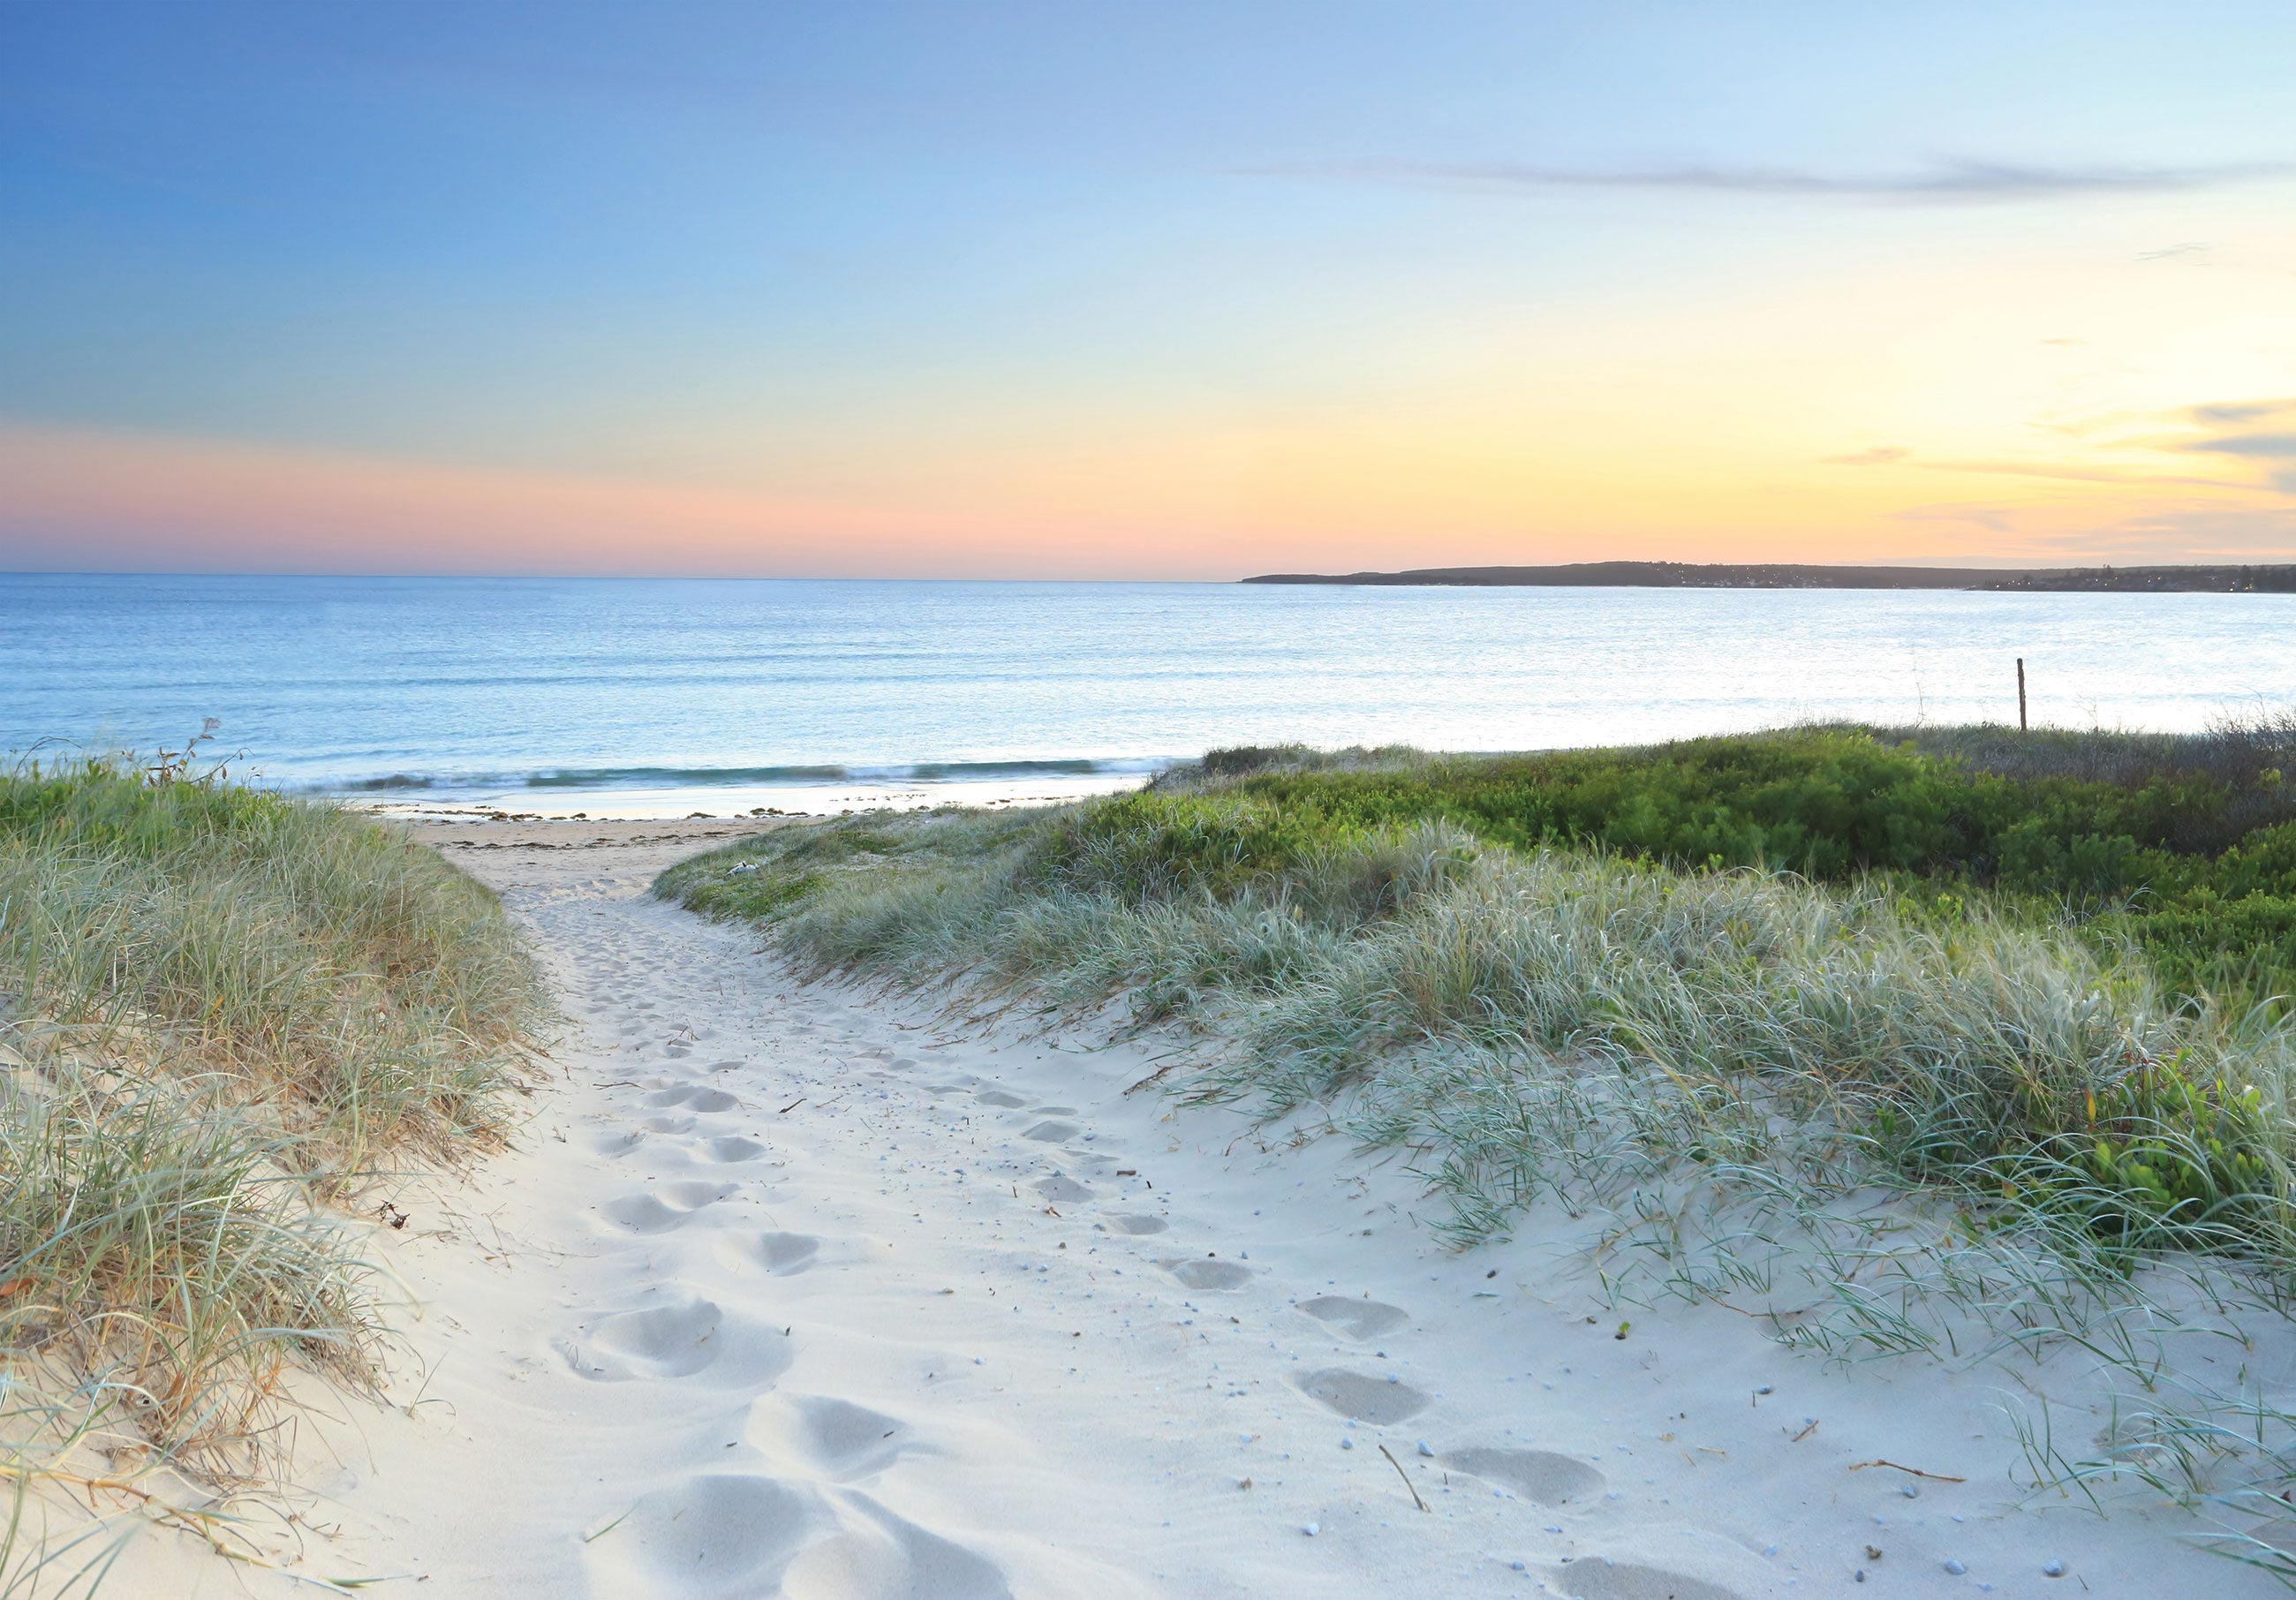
pixel 1168 802
pixel 818 1290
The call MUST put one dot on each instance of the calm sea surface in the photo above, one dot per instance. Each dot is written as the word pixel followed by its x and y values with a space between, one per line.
pixel 547 688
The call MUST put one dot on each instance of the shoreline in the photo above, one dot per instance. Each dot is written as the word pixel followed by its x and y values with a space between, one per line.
pixel 743 801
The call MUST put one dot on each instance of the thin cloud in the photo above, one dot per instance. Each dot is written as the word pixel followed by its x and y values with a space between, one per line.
pixel 2173 251
pixel 2230 433
pixel 2236 412
pixel 1879 455
pixel 1993 519
pixel 2185 535
pixel 2252 446
pixel 2019 469
pixel 1942 184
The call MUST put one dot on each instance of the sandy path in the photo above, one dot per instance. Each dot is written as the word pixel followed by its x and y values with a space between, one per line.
pixel 788 1292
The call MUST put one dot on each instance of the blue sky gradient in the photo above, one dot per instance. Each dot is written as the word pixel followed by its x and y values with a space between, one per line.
pixel 1181 287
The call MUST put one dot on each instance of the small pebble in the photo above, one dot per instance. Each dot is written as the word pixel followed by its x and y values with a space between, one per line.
pixel 1954 1567
pixel 1909 1492
pixel 1520 1566
pixel 2052 1569
pixel 1425 1448
pixel 1312 1530
pixel 1347 1444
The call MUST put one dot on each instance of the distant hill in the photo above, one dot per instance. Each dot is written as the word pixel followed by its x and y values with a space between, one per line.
pixel 1781 575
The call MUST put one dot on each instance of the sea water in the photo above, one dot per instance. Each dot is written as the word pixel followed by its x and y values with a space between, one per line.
pixel 662 696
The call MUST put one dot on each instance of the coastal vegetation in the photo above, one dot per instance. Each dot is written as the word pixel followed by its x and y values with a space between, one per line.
pixel 2221 579
pixel 223 1014
pixel 1718 997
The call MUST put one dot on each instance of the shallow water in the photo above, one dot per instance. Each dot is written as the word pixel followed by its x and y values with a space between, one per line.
pixel 549 692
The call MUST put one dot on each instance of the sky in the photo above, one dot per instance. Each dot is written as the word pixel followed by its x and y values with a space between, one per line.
pixel 1183 291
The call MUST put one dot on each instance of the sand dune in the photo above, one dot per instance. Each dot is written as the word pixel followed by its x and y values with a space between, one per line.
pixel 796 1291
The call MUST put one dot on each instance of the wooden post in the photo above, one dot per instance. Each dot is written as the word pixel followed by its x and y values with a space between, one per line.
pixel 2020 694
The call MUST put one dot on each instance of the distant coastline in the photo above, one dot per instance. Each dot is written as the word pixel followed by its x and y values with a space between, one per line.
pixel 2280 580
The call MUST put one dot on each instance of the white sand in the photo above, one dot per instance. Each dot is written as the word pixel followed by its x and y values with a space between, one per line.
pixel 791 1291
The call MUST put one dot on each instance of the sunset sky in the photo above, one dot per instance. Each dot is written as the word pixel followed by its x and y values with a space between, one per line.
pixel 1088 290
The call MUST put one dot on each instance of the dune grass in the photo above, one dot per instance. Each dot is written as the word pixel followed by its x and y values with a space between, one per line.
pixel 1589 981
pixel 221 1012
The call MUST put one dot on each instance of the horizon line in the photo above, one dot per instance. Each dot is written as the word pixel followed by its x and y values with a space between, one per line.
pixel 1936 563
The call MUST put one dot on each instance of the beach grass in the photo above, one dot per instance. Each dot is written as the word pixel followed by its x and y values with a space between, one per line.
pixel 1720 995
pixel 225 1014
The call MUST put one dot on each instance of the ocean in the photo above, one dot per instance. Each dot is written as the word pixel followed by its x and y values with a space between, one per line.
pixel 647 697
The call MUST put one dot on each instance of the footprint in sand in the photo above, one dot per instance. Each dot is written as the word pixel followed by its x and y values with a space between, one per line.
pixel 729 1148
pixel 1060 1188
pixel 1052 1132
pixel 999 1097
pixel 1539 1475
pixel 1054 1110
pixel 878 1555
pixel 780 1255
pixel 680 1338
pixel 671 1125
pixel 659 1210
pixel 835 1438
pixel 720 1534
pixel 1208 1273
pixel 1594 1578
pixel 1136 1222
pixel 658 1341
pixel 695 1097
pixel 1361 1396
pixel 1356 1318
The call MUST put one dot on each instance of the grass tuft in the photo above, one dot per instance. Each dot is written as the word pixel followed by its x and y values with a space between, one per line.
pixel 221 1012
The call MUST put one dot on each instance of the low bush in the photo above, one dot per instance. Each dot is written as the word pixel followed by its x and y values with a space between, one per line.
pixel 2189 853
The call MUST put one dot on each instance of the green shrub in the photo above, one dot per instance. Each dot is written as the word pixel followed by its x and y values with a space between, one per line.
pixel 2157 855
